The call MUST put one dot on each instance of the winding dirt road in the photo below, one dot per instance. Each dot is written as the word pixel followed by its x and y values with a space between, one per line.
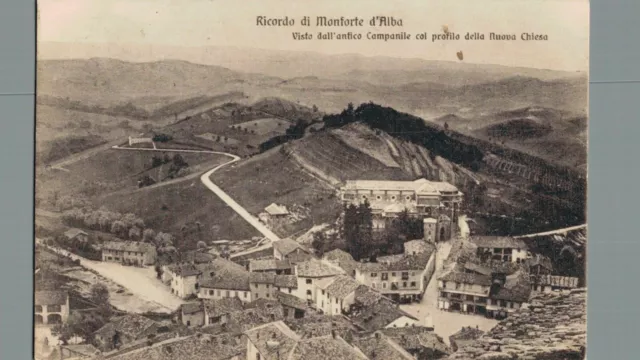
pixel 205 178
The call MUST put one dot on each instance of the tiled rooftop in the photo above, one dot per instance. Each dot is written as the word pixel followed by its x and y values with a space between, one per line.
pixel 315 268
pixel 498 242
pixel 342 286
pixel 287 246
pixel 52 297
pixel 219 307
pixel 380 346
pixel 133 246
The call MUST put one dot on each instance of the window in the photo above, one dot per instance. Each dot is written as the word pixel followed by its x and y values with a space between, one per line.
pixel 413 284
pixel 384 285
pixel 374 285
pixel 405 276
pixel 285 312
pixel 322 292
pixel 385 276
pixel 511 305
pixel 211 292
pixel 393 274
pixel 308 292
pixel 457 286
pixel 408 198
pixel 245 294
pixel 289 290
pixel 503 303
pixel 255 285
pixel 404 284
pixel 374 274
pixel 218 292
pixel 336 300
pixel 469 297
pixel 393 197
pixel 227 293
pixel 267 286
pixel 309 281
pixel 267 295
pixel 379 197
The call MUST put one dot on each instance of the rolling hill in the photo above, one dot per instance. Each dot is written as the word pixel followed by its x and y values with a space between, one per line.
pixel 554 135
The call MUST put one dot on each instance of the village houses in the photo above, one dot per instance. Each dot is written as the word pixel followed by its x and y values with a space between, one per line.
pixel 279 267
pixel 335 295
pixel 129 252
pixel 263 284
pixel 403 277
pixel 309 272
pixel 287 248
pixel 501 248
pixel 480 290
pixel 276 341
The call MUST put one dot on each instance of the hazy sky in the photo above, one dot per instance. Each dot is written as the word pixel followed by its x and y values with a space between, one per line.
pixel 233 23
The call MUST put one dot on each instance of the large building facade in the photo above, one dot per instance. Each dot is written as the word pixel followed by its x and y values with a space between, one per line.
pixel 421 198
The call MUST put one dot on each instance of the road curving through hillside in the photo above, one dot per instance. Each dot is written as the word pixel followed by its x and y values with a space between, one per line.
pixel 206 180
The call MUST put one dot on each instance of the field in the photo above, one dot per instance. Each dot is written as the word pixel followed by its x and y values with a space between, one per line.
pixel 169 208
pixel 275 177
pixel 61 132
pixel 223 139
pixel 112 171
pixel 264 126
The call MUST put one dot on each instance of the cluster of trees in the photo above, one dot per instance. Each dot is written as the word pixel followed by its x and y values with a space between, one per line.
pixel 401 229
pixel 162 138
pixel 357 229
pixel 125 226
pixel 178 167
pixel 293 132
pixel 85 324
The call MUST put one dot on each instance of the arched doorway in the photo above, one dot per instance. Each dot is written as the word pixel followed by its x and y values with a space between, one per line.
pixel 442 232
pixel 38 319
pixel 54 319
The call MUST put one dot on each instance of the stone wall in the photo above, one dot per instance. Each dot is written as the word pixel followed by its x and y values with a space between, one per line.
pixel 553 326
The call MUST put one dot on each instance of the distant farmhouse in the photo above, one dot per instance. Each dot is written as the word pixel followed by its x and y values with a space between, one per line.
pixel 129 252
pixel 76 234
pixel 422 198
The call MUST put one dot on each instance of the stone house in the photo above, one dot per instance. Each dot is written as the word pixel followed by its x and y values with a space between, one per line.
pixel 217 311
pixel 51 307
pixel 76 234
pixel 335 295
pixel 129 252
pixel 192 314
pixel 285 248
pixel 402 278
pixel 501 248
pixel 308 273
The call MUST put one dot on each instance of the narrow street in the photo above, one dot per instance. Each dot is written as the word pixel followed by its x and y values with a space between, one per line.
pixel 445 323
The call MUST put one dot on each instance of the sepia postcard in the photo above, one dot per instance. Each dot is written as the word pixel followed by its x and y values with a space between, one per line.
pixel 311 180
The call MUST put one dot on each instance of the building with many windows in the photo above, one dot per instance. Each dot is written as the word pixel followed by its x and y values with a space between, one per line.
pixel 404 277
pixel 421 198
pixel 475 291
pixel 129 252
pixel 501 248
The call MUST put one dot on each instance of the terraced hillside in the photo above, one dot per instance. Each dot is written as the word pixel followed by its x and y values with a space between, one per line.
pixel 358 152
